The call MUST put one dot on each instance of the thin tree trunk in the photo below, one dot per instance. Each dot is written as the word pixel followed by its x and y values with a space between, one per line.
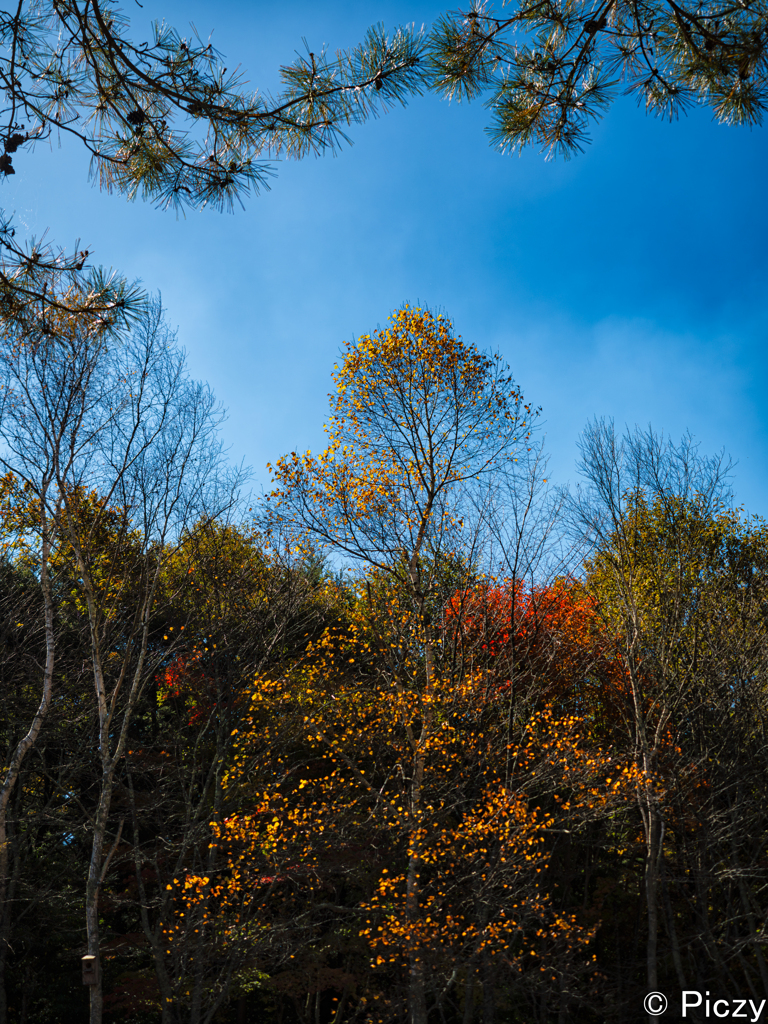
pixel 3 957
pixel 5 919
pixel 93 886
pixel 25 744
pixel 672 930
pixel 152 935
pixel 652 903
pixel 562 1014
pixel 469 996
pixel 489 989
pixel 417 998
pixel 647 803
pixel 700 903
pixel 97 872
pixel 754 936
pixel 97 868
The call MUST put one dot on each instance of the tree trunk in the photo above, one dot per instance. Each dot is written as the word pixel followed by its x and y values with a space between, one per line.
pixel 653 828
pixel 96 874
pixel 469 996
pixel 417 997
pixel 651 896
pixel 107 707
pixel 489 989
pixel 676 957
pixel 25 744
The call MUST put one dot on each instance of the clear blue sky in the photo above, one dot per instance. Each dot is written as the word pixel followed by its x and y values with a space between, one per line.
pixel 629 282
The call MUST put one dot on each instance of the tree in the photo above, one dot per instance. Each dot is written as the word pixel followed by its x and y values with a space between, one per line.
pixel 552 67
pixel 657 515
pixel 542 646
pixel 118 450
pixel 328 840
pixel 420 424
pixel 684 587
pixel 236 606
pixel 22 642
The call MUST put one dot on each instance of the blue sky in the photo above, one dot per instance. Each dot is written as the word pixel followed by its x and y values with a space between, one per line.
pixel 629 282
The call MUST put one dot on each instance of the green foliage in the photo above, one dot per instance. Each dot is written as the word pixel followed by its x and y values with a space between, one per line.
pixel 548 69
pixel 164 119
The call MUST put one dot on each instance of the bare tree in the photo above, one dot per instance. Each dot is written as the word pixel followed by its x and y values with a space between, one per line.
pixel 646 514
pixel 120 451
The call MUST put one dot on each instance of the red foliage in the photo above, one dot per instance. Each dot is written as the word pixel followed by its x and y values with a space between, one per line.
pixel 551 636
pixel 185 679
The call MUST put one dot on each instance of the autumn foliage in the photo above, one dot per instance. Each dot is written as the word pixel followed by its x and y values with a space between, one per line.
pixel 388 763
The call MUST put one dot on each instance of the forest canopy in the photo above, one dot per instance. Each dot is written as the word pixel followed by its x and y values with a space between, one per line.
pixel 417 737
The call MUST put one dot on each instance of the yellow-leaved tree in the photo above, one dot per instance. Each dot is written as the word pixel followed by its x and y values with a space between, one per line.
pixel 377 778
pixel 421 423
pixel 444 875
